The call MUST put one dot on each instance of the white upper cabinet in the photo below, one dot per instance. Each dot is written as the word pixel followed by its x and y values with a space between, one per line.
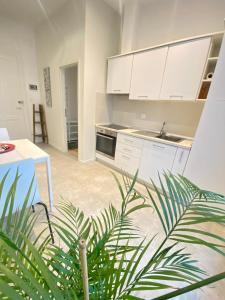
pixel 119 74
pixel 147 74
pixel 184 69
pixel 217 89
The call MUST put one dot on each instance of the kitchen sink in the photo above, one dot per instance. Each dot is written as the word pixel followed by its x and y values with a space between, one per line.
pixel 166 137
pixel 146 133
pixel 170 138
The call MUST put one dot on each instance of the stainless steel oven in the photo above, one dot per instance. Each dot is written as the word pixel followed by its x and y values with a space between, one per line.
pixel 106 142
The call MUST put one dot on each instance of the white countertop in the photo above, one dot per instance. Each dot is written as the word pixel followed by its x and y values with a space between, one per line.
pixel 185 143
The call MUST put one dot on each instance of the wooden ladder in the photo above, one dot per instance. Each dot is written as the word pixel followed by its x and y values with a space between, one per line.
pixel 42 122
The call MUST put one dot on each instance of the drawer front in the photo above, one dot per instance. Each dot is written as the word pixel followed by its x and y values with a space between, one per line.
pixel 129 150
pixel 127 163
pixel 129 140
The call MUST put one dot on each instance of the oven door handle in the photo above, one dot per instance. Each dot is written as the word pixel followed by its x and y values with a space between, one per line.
pixel 104 136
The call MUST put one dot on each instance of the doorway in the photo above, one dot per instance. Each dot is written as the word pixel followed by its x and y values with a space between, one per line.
pixel 70 82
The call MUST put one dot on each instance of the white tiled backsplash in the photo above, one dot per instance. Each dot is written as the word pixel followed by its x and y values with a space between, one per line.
pixel 181 117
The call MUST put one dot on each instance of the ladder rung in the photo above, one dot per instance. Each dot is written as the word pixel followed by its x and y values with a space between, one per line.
pixel 41 121
pixel 40 135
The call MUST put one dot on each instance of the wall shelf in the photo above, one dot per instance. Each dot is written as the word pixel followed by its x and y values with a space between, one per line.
pixel 201 100
pixel 210 66
pixel 207 80
pixel 215 58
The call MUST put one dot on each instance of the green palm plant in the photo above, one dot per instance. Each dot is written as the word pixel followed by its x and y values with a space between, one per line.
pixel 120 262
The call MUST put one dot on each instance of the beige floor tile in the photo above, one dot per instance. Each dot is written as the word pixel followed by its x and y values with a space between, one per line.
pixel 91 187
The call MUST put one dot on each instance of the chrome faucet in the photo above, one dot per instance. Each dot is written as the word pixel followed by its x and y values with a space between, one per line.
pixel 162 131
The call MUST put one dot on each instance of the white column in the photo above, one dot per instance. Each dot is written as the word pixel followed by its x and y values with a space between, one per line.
pixel 129 22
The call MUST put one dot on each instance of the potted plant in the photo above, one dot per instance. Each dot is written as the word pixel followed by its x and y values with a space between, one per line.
pixel 120 263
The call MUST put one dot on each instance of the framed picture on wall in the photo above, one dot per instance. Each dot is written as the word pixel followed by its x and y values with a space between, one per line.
pixel 47 83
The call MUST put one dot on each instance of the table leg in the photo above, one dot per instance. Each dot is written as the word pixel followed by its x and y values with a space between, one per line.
pixel 49 178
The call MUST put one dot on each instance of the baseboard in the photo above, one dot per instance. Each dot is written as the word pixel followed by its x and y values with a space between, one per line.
pixel 57 148
pixel 86 161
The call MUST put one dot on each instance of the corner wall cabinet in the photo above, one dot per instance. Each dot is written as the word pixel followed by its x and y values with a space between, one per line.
pixel 184 70
pixel 213 79
pixel 147 74
pixel 174 71
pixel 119 75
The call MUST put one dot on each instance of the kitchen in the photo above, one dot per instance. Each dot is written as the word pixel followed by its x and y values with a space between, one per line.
pixel 131 85
pixel 158 96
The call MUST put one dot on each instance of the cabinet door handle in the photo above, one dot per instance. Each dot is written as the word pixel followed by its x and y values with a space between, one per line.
pixel 143 96
pixel 116 90
pixel 104 137
pixel 176 96
pixel 181 156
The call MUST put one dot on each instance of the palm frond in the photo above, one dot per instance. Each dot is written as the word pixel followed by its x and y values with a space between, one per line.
pixel 17 223
pixel 182 205
pixel 192 287
pixel 27 276
pixel 166 270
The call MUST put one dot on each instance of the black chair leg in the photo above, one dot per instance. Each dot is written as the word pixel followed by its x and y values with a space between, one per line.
pixel 48 219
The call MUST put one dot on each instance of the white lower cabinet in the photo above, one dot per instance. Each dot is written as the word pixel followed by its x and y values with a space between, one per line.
pixel 156 158
pixel 128 153
pixel 149 157
pixel 180 161
pixel 127 163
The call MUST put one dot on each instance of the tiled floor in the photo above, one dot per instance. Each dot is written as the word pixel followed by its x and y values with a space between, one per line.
pixel 91 187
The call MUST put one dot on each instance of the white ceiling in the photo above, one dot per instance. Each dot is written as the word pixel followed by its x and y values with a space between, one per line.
pixel 32 12
pixel 118 4
pixel 29 12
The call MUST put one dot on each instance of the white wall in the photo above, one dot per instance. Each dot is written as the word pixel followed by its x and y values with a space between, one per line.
pixel 102 27
pixel 86 32
pixel 181 117
pixel 60 42
pixel 129 23
pixel 161 21
pixel 19 40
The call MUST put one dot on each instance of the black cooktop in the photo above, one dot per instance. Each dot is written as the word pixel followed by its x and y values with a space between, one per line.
pixel 114 126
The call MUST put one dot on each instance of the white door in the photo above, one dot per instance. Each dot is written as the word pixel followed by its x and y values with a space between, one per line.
pixel 184 69
pixel 156 158
pixel 12 114
pixel 147 74
pixel 119 74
